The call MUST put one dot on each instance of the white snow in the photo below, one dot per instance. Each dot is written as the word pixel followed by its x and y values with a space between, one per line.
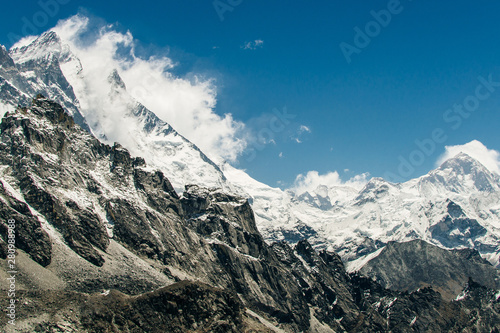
pixel 356 265
pixel 461 296
pixel 4 108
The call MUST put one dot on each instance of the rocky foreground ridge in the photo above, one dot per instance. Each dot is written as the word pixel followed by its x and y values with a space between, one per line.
pixel 105 244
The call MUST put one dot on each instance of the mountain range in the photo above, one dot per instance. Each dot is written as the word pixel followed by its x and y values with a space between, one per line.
pixel 111 197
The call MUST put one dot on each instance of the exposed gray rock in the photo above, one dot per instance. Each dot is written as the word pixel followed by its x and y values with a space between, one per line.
pixel 29 234
pixel 416 264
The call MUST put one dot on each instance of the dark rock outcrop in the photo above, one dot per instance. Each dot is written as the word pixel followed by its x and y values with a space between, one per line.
pixel 415 264
pixel 29 235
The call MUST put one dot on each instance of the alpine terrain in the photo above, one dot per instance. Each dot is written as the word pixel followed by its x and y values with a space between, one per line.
pixel 138 230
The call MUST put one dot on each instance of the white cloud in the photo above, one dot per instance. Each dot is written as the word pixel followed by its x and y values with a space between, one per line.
pixel 186 104
pixel 488 157
pixel 25 41
pixel 280 155
pixel 311 181
pixel 304 128
pixel 253 45
pixel 300 131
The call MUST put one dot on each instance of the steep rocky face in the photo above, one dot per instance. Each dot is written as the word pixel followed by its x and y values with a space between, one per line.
pixel 416 264
pixel 181 307
pixel 89 192
pixel 324 284
pixel 30 237
pixel 35 154
pixel 248 265
pixel 93 196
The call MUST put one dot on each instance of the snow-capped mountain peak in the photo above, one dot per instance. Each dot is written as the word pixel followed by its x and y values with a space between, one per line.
pixel 461 175
pixel 116 81
pixel 48 44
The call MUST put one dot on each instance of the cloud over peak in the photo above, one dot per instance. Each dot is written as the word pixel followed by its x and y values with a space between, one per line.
pixel 488 157
pixel 188 104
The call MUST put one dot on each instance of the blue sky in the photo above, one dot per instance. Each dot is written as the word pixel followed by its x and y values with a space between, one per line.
pixel 362 116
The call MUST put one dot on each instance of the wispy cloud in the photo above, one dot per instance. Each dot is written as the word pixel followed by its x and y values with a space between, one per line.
pixel 303 129
pixel 253 45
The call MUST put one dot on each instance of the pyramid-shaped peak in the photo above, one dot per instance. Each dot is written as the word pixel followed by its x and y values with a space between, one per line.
pixel 463 163
pixel 48 43
pixel 5 59
pixel 115 80
pixel 460 174
pixel 49 37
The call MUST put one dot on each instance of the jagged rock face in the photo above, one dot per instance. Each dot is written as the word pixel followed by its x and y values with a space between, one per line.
pixel 91 193
pixel 30 236
pixel 182 307
pixel 228 218
pixel 37 156
pixel 416 264
pixel 323 281
pixel 251 268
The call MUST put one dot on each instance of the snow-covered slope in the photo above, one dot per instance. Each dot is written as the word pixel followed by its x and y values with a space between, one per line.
pixel 454 206
pixel 47 66
pixel 38 69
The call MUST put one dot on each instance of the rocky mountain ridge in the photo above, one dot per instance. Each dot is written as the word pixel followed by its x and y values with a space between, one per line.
pixel 354 222
pixel 95 219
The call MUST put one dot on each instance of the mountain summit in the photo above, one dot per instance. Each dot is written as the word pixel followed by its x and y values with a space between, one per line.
pixel 462 175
